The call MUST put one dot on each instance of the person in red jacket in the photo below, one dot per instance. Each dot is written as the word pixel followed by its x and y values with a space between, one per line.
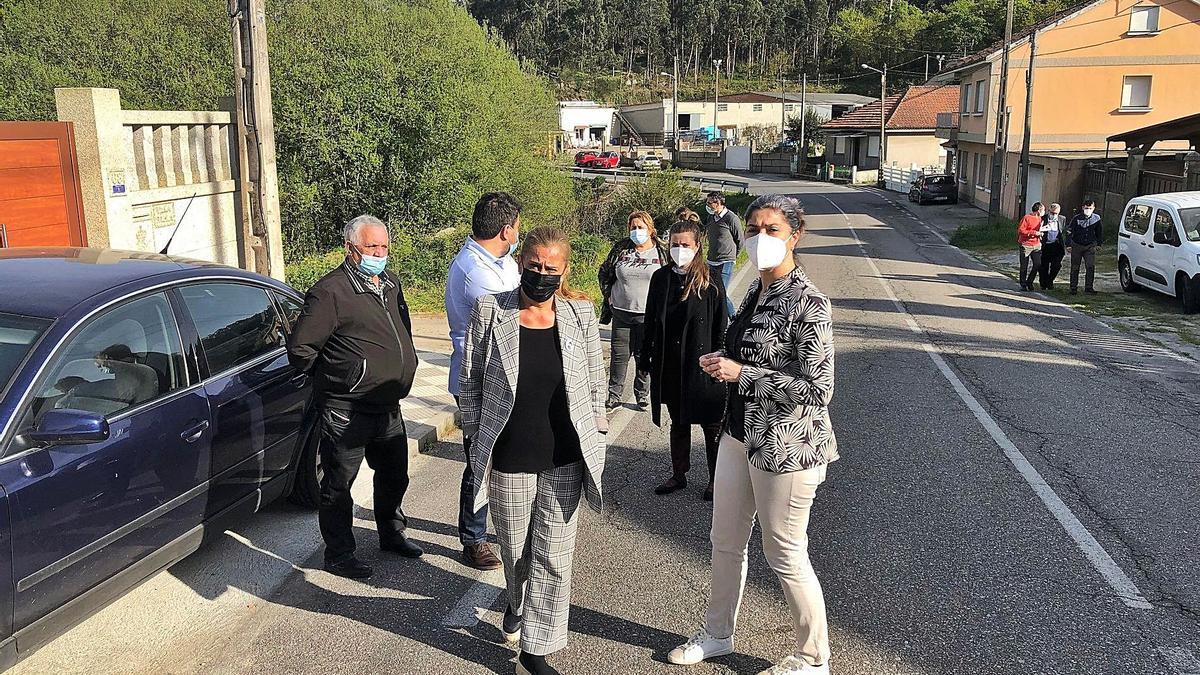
pixel 1029 238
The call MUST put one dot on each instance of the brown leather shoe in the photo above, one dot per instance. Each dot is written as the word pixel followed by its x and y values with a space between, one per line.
pixel 481 557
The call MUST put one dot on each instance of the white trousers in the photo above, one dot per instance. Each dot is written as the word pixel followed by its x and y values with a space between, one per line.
pixel 782 502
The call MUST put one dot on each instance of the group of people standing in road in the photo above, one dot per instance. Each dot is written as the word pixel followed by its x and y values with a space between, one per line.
pixel 1045 237
pixel 528 374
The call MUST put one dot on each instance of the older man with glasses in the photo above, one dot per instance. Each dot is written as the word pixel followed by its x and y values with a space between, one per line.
pixel 354 337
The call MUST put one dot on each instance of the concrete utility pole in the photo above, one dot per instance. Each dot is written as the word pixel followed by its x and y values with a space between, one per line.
pixel 882 116
pixel 782 107
pixel 998 158
pixel 803 115
pixel 1024 175
pixel 259 183
pixel 716 95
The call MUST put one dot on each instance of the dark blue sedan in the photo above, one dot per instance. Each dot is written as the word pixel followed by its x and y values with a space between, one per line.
pixel 144 400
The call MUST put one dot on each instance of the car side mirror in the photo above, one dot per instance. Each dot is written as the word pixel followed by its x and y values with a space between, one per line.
pixel 68 427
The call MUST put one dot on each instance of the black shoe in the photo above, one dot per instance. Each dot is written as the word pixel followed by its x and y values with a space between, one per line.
pixel 528 664
pixel 511 627
pixel 612 404
pixel 643 405
pixel 350 568
pixel 1092 291
pixel 404 546
pixel 671 485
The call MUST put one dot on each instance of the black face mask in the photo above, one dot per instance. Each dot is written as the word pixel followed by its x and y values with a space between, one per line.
pixel 539 287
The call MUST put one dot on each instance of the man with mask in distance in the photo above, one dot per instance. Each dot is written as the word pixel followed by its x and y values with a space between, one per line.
pixel 1083 236
pixel 354 336
pixel 724 230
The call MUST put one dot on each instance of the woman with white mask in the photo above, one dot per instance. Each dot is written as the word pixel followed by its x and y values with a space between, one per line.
pixel 778 361
pixel 685 318
pixel 624 282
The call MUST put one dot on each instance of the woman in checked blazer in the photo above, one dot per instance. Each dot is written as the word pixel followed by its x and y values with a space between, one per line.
pixel 532 390
pixel 778 440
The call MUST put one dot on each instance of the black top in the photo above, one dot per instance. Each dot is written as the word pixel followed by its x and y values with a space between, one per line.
pixel 672 351
pixel 736 417
pixel 539 434
pixel 355 339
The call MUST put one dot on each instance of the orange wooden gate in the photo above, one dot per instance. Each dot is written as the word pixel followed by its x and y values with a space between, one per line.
pixel 40 202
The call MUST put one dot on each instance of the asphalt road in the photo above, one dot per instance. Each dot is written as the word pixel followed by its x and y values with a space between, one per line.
pixel 1016 494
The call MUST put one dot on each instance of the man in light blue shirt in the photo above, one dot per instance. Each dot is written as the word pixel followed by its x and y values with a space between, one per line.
pixel 484 266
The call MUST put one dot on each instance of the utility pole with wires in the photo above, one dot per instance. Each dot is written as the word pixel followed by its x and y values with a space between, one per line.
pixel 1023 176
pixel 803 116
pixel 882 116
pixel 1000 150
pixel 716 95
pixel 258 182
pixel 782 107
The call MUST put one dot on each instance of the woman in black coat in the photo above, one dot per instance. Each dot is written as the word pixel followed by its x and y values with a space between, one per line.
pixel 685 319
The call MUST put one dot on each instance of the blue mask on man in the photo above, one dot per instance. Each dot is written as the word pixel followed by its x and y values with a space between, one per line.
pixel 372 265
pixel 512 248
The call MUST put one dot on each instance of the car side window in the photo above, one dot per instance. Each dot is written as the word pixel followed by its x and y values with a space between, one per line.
pixel 1164 224
pixel 291 309
pixel 1137 218
pixel 127 356
pixel 236 322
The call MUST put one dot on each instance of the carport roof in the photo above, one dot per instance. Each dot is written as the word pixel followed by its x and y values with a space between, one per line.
pixel 1181 129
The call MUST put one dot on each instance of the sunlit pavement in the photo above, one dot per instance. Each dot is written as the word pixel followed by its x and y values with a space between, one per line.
pixel 1016 494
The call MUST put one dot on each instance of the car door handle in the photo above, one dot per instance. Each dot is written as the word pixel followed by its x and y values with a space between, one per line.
pixel 1150 245
pixel 194 433
pixel 298 380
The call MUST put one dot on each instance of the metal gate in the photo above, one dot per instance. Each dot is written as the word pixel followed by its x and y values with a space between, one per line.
pixel 40 201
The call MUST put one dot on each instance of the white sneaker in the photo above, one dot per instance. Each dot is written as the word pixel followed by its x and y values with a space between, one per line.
pixel 794 666
pixel 702 646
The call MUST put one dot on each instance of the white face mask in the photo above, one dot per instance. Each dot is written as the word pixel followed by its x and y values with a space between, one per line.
pixel 682 256
pixel 639 236
pixel 766 252
pixel 711 210
pixel 1088 212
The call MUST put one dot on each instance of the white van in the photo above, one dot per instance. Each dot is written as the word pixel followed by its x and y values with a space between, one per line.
pixel 1158 246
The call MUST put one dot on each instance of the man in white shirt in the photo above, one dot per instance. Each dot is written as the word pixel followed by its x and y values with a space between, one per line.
pixel 484 266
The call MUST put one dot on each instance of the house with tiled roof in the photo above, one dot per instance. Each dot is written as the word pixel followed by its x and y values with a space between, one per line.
pixel 909 120
pixel 1100 68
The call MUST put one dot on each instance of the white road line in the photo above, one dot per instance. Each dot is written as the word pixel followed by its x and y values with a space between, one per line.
pixel 1124 587
pixel 480 596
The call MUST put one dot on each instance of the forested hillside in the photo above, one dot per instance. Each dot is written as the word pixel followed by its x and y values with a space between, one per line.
pixel 632 41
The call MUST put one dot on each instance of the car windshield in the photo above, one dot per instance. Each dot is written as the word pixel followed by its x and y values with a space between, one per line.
pixel 939 180
pixel 17 335
pixel 1191 222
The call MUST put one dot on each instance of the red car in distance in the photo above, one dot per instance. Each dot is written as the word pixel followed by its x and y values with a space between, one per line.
pixel 584 158
pixel 606 160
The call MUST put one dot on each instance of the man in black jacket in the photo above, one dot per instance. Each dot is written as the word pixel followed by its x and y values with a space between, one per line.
pixel 1084 235
pixel 355 337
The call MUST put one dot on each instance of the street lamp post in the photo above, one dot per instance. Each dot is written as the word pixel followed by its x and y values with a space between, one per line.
pixel 674 104
pixel 716 95
pixel 882 115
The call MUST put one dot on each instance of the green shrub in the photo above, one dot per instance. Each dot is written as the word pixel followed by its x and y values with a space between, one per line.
pixel 405 109
pixel 659 194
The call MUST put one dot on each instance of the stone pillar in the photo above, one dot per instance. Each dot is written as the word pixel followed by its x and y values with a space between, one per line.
pixel 101 151
pixel 1133 171
pixel 1191 171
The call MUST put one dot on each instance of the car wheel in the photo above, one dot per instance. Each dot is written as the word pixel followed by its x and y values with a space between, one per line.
pixel 306 485
pixel 1126 275
pixel 1189 295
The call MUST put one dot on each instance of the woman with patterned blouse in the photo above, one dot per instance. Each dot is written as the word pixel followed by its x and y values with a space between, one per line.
pixel 778 440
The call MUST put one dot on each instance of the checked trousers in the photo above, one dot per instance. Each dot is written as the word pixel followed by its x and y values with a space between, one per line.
pixel 536 516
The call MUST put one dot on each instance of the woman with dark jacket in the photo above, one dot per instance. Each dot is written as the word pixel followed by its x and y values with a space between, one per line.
pixel 624 280
pixel 778 441
pixel 685 319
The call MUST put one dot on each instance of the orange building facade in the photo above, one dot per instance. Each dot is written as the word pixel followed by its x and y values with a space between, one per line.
pixel 1100 69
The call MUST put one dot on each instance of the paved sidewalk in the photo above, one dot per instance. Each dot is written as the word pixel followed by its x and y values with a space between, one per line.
pixel 430 413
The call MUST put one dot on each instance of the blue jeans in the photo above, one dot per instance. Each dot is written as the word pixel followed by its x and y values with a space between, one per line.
pixel 472 524
pixel 726 271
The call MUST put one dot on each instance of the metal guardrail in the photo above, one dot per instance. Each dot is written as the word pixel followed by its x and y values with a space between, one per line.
pixel 622 175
